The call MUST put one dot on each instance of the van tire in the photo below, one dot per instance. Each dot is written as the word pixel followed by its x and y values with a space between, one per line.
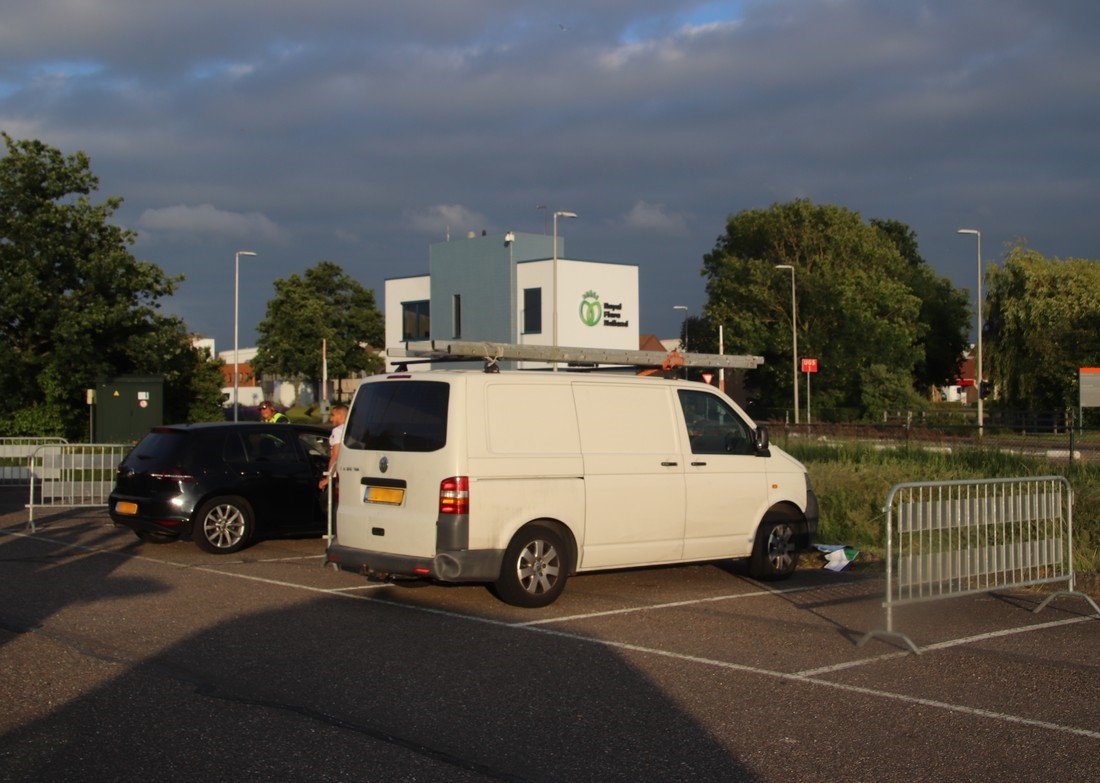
pixel 775 552
pixel 224 525
pixel 534 569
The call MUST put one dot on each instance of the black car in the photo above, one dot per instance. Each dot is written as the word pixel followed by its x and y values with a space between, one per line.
pixel 223 485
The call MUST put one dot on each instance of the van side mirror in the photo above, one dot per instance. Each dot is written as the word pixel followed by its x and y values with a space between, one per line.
pixel 760 442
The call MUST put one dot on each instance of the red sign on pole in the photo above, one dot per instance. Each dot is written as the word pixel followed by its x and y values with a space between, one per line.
pixel 708 377
pixel 809 365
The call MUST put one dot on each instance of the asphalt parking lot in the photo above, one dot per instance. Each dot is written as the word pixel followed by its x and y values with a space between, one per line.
pixel 121 660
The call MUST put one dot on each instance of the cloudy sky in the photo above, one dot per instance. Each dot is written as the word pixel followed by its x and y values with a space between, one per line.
pixel 361 131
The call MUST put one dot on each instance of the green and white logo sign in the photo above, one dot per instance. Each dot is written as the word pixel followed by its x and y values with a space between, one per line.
pixel 591 309
pixel 595 313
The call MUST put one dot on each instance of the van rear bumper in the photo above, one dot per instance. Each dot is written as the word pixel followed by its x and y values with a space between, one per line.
pixel 463 565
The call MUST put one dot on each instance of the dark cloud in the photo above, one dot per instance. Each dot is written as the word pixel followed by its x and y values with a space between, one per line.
pixel 361 131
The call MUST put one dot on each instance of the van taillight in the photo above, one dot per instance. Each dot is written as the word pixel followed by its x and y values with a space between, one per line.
pixel 454 495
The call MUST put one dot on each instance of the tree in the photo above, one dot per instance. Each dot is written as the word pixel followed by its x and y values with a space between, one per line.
pixel 1042 325
pixel 326 304
pixel 75 305
pixel 192 378
pixel 857 310
pixel 944 311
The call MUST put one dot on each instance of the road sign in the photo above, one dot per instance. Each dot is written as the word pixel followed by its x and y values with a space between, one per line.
pixel 1089 385
pixel 809 365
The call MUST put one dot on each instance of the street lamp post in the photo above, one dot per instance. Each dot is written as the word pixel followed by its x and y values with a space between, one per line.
pixel 554 268
pixel 685 309
pixel 236 322
pixel 978 365
pixel 794 339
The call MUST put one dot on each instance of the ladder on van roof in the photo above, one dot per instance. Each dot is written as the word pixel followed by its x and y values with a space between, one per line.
pixel 450 350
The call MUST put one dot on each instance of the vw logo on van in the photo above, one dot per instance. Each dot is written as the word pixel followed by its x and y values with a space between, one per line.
pixel 384 464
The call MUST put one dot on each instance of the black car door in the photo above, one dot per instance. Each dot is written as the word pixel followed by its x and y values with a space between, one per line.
pixel 283 488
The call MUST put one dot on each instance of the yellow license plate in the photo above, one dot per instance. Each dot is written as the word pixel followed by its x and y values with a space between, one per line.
pixel 389 495
pixel 124 507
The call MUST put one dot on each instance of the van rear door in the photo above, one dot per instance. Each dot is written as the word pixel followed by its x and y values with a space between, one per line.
pixel 394 456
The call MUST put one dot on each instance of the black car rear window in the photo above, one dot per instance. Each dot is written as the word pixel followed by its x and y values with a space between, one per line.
pixel 160 448
pixel 399 416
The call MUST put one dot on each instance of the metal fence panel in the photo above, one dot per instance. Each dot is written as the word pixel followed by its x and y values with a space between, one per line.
pixel 954 538
pixel 72 475
pixel 13 458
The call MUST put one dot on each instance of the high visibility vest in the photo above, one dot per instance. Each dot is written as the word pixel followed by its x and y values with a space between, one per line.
pixel 279 417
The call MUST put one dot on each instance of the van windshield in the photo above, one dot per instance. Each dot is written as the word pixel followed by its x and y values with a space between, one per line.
pixel 399 416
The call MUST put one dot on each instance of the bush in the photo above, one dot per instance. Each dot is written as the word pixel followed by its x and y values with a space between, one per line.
pixel 852 481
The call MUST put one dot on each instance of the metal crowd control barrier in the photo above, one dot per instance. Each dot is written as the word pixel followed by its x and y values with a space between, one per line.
pixel 13 458
pixel 72 475
pixel 953 538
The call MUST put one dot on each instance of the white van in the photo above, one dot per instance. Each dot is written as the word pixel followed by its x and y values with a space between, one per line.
pixel 520 479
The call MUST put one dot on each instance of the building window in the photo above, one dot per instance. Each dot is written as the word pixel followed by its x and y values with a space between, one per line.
pixel 532 310
pixel 456 316
pixel 416 320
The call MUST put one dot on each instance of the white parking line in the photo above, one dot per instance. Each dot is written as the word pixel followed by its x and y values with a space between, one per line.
pixel 852 664
pixel 944 645
pixel 669 605
pixel 810 677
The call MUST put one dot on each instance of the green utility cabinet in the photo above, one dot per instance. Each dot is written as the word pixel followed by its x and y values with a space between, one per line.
pixel 128 407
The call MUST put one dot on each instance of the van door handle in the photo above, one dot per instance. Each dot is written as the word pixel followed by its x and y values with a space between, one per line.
pixel 698 464
pixel 669 464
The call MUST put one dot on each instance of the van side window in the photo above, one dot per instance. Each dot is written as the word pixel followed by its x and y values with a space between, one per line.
pixel 713 426
pixel 399 416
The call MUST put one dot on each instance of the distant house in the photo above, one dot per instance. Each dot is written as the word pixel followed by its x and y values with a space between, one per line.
pixel 964 390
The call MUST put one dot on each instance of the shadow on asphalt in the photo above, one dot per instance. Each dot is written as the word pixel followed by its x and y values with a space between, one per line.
pixel 324 689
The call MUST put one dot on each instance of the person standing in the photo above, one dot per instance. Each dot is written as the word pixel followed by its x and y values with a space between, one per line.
pixel 338 415
pixel 270 415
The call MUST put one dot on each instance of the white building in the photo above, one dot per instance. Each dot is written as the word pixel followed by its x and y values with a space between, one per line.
pixel 501 288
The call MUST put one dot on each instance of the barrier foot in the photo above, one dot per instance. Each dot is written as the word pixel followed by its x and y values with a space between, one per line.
pixel 888 635
pixel 1052 596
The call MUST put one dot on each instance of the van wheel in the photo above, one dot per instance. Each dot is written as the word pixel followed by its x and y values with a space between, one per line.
pixel 223 525
pixel 534 569
pixel 775 553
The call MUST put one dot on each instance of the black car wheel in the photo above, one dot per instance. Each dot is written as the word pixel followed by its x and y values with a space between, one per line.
pixel 149 537
pixel 534 569
pixel 224 525
pixel 775 553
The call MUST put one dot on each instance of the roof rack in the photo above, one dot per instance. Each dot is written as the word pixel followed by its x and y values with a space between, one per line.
pixel 492 353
